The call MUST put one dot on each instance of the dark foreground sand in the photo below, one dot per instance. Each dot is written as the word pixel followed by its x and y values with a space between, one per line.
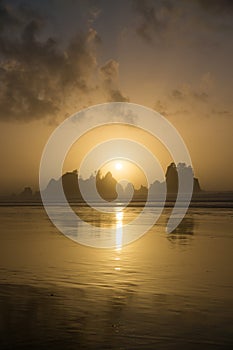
pixel 75 318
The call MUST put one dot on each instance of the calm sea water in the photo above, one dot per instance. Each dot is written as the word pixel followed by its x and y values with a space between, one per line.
pixel 164 291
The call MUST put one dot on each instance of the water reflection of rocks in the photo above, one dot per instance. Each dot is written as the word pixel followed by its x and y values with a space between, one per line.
pixel 183 234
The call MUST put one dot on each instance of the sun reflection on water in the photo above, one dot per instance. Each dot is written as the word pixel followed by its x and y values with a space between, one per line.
pixel 119 229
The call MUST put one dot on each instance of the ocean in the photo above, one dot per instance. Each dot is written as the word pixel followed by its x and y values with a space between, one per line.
pixel 163 291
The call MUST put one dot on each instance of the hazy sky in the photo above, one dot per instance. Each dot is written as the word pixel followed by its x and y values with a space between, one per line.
pixel 57 57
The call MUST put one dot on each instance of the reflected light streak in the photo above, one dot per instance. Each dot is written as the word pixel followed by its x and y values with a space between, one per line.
pixel 119 229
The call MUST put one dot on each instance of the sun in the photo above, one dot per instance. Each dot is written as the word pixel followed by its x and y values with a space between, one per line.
pixel 118 166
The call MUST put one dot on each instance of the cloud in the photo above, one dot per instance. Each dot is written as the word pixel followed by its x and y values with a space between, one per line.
pixel 42 77
pixel 117 96
pixel 180 95
pixel 161 107
pixel 7 17
pixel 196 100
pixel 155 17
pixel 38 75
pixel 177 94
pixel 216 6
pixel 110 73
pixel 167 19
pixel 94 13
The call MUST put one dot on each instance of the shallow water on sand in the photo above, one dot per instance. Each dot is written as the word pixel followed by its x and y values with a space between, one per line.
pixel 164 291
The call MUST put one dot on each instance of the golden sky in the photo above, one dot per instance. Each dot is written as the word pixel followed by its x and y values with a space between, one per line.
pixel 59 57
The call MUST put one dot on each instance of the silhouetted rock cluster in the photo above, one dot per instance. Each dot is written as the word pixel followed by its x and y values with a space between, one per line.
pixel 109 189
pixel 185 172
pixel 106 186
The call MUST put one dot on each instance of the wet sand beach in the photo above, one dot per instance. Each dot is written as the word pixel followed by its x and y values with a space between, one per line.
pixel 160 292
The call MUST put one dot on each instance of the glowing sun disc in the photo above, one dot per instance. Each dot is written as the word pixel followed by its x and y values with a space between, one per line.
pixel 118 166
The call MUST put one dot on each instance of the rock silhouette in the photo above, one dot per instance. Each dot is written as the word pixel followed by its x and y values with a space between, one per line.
pixel 106 186
pixel 109 189
pixel 172 178
pixel 185 172
pixel 26 193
